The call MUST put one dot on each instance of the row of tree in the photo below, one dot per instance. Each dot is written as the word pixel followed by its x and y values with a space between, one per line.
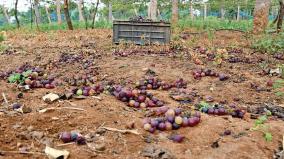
pixel 261 9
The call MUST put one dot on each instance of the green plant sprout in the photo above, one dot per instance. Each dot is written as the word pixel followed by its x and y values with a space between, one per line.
pixel 260 126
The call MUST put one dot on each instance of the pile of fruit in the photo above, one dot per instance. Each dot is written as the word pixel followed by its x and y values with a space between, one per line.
pixel 217 109
pixel 199 73
pixel 156 83
pixel 33 77
pixel 88 90
pixel 67 137
pixel 136 98
pixel 171 119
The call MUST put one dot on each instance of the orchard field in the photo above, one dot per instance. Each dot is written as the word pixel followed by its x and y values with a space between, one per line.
pixel 215 91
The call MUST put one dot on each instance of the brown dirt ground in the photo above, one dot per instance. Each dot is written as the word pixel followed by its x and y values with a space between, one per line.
pixel 38 48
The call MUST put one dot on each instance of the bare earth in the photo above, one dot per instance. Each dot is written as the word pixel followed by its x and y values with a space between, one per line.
pixel 41 48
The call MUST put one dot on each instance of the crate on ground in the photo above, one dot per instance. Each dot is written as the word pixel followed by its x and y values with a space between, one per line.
pixel 141 33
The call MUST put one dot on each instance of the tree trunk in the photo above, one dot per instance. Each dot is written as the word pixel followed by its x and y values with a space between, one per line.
pixel 109 12
pixel 238 13
pixel 37 14
pixel 67 15
pixel 205 10
pixel 280 16
pixel 58 11
pixel 16 14
pixel 80 4
pixel 174 11
pixel 153 10
pixel 6 14
pixel 47 14
pixel 223 10
pixel 94 14
pixel 191 10
pixel 261 12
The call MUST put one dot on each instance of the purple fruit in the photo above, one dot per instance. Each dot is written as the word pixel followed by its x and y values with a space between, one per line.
pixel 193 121
pixel 241 114
pixel 80 140
pixel 122 94
pixel 164 109
pixel 151 103
pixel 154 123
pixel 222 111
pixel 196 120
pixel 16 106
pixel 169 126
pixel 227 132
pixel 152 130
pixel 124 99
pixel 129 94
pixel 160 103
pixel 184 122
pixel 155 100
pixel 136 104
pixel 175 126
pixel 162 126
pixel 177 138
pixel 216 111
pixel 171 119
pixel 222 77
pixel 65 137
pixel 85 92
pixel 178 111
pixel 211 111
pixel 197 114
pixel 141 98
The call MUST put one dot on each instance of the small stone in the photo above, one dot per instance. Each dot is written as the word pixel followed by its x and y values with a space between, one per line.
pixel 130 125
pixel 47 141
pixel 30 128
pixel 100 147
pixel 26 109
pixel 188 152
pixel 100 131
pixel 51 97
pixel 16 126
pixel 37 135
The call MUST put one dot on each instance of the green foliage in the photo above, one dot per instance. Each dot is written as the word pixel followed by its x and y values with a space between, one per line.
pixel 259 126
pixel 19 78
pixel 270 43
pixel 2 38
pixel 14 78
pixel 278 86
pixel 63 26
pixel 214 23
pixel 203 104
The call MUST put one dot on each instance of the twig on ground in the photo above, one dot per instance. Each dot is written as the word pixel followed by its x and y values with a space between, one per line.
pixel 60 145
pixel 5 99
pixel 19 152
pixel 122 131
pixel 53 108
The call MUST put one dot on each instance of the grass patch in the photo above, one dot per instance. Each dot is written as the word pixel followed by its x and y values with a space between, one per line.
pixel 270 43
